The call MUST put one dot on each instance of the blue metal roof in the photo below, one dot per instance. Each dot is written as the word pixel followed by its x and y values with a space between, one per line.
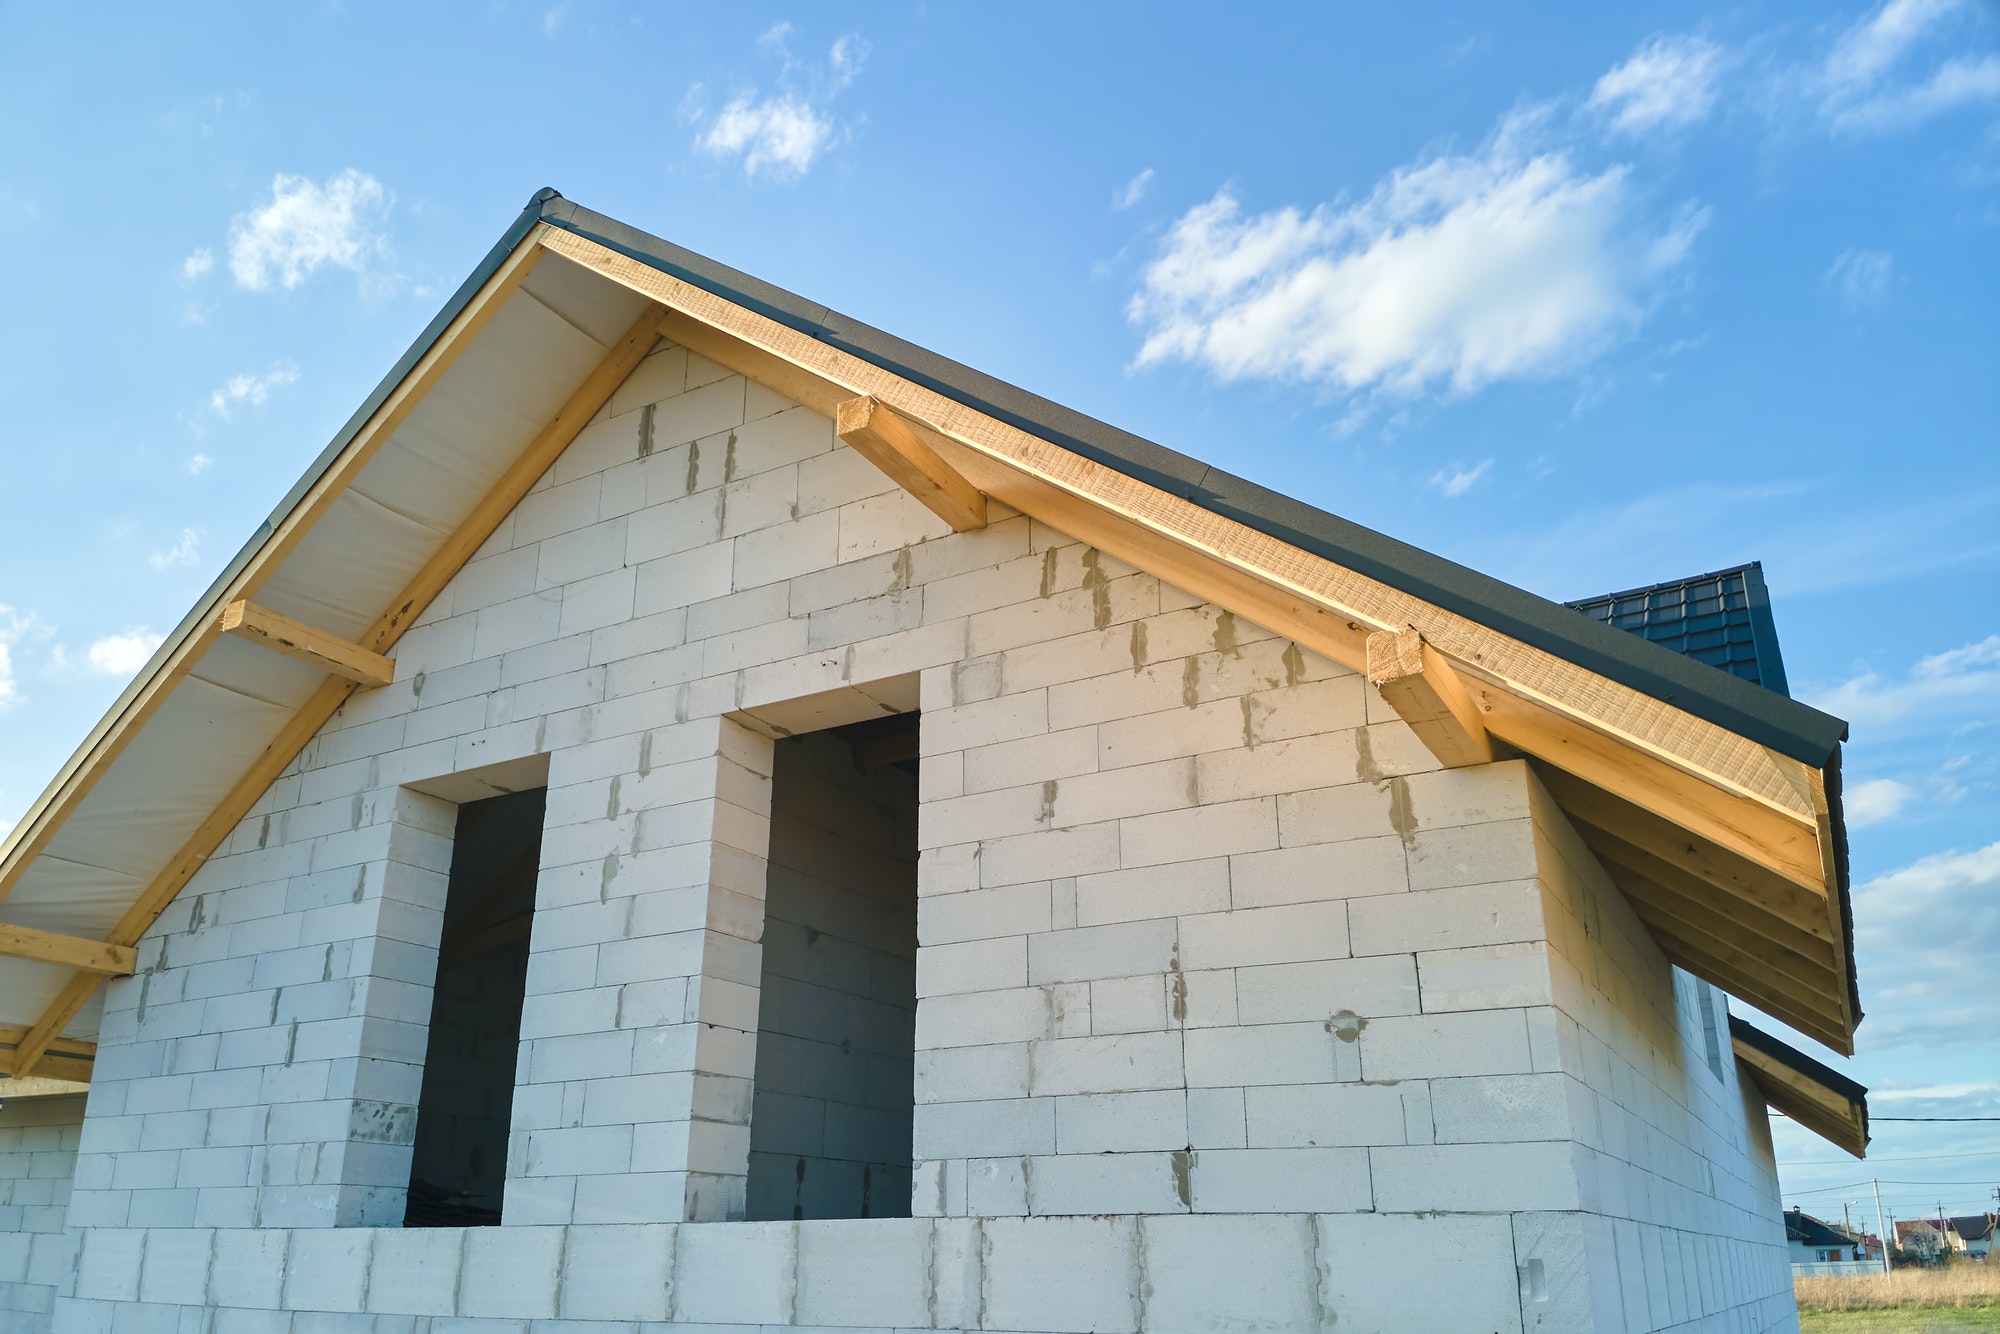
pixel 1722 618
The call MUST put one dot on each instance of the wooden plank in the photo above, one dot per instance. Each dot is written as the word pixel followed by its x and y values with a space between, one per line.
pixel 11 1037
pixel 1808 908
pixel 1701 901
pixel 536 459
pixel 145 695
pixel 69 1002
pixel 1819 1109
pixel 1415 680
pixel 1744 976
pixel 295 639
pixel 899 448
pixel 540 454
pixel 25 942
pixel 1656 905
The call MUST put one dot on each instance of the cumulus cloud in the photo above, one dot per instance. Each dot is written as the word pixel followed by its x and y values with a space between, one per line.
pixel 198 465
pixel 1458 479
pixel 1931 931
pixel 1668 84
pixel 777 137
pixel 1133 190
pixel 1866 87
pixel 1456 271
pixel 1944 685
pixel 238 390
pixel 306 226
pixel 195 265
pixel 1876 801
pixel 780 135
pixel 186 551
pixel 123 655
pixel 1859 279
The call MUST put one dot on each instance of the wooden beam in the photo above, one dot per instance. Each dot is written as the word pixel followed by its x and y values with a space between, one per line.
pixel 1416 681
pixel 294 639
pixel 1808 908
pixel 899 448
pixel 1699 900
pixel 151 689
pixel 542 452
pixel 1749 988
pixel 25 942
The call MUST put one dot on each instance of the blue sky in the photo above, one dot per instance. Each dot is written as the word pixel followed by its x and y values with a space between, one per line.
pixel 1586 297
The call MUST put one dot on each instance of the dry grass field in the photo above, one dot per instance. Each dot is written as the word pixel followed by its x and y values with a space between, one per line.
pixel 1963 1299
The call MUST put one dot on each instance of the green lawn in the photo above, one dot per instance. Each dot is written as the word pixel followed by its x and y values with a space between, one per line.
pixel 1968 1320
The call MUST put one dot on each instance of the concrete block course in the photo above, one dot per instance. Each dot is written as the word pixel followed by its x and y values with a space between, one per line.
pixel 1233 1010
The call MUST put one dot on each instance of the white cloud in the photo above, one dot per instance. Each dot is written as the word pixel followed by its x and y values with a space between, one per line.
pixel 1458 479
pixel 1931 931
pixel 780 136
pixel 198 465
pixel 1860 279
pixel 777 137
pixel 184 552
pixel 1876 801
pixel 123 655
pixel 847 57
pixel 1133 190
pixel 195 265
pixel 1457 271
pixel 1952 683
pixel 306 226
pixel 1860 86
pixel 250 389
pixel 1669 83
pixel 15 627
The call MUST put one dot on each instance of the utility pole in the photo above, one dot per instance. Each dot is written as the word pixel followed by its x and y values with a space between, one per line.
pixel 1882 1222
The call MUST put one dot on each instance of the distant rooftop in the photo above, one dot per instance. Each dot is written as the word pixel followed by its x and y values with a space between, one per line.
pixel 1722 618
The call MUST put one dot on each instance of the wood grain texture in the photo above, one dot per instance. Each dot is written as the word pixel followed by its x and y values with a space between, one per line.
pixel 900 449
pixel 295 639
pixel 1826 1112
pixel 25 942
pixel 1416 681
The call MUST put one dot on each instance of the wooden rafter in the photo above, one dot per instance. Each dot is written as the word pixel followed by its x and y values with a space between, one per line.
pixel 536 459
pixel 1747 814
pixel 1415 680
pixel 1822 1100
pixel 25 942
pixel 152 687
pixel 295 639
pixel 899 448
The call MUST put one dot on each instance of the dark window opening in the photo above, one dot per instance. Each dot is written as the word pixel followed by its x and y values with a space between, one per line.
pixel 460 1167
pixel 830 1124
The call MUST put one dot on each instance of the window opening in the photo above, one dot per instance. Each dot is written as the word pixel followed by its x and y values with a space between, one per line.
pixel 830 1124
pixel 458 1173
pixel 1711 1036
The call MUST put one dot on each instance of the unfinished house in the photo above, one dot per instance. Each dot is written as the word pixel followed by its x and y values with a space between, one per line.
pixel 697 812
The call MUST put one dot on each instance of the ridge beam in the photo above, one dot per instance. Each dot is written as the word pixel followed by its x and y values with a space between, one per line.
pixel 92 956
pixel 294 639
pixel 898 446
pixel 1419 683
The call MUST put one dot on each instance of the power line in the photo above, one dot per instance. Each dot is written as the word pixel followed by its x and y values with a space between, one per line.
pixel 1898 1158
pixel 1874 1119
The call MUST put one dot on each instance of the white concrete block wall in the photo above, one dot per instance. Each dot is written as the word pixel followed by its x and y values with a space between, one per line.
pixel 38 1141
pixel 1681 1214
pixel 1208 944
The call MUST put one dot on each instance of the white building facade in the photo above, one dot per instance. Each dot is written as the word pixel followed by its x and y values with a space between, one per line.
pixel 929 929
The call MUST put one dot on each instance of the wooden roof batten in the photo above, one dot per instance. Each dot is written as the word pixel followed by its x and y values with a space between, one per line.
pixel 1756 817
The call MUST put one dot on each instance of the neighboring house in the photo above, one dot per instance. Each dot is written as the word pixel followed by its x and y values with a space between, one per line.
pixel 1811 1241
pixel 1940 1228
pixel 697 812
pixel 1975 1234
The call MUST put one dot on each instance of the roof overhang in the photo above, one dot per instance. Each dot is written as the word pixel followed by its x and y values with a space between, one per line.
pixel 1822 1100
pixel 1713 804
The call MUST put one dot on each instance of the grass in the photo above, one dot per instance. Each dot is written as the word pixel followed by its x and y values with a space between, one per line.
pixel 1960 1299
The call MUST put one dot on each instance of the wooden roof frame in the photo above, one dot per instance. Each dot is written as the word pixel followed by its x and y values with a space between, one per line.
pixel 1822 1100
pixel 1735 817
